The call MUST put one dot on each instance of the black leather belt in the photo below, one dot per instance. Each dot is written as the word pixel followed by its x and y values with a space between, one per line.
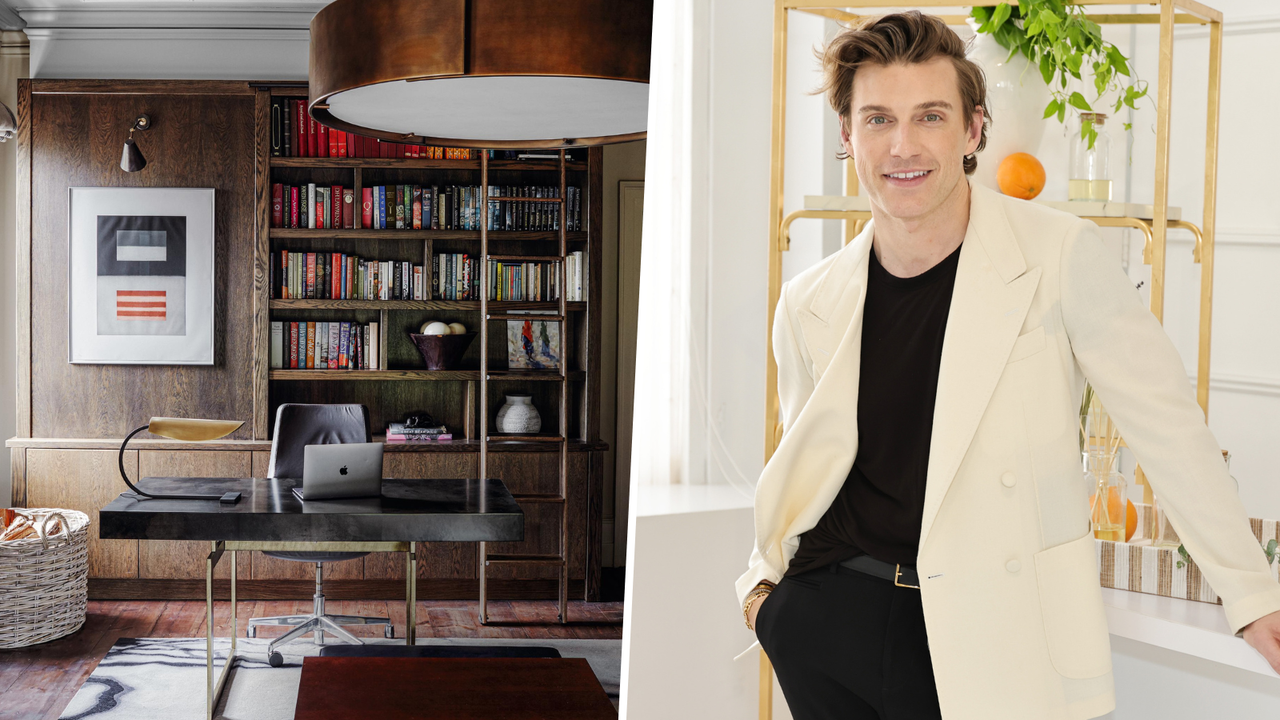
pixel 897 574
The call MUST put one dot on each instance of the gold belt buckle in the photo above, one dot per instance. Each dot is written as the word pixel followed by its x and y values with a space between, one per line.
pixel 897 573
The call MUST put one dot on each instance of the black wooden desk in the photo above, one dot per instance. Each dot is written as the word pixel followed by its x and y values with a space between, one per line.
pixel 270 517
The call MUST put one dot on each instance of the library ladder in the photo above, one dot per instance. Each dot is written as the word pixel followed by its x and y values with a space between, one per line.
pixel 559 560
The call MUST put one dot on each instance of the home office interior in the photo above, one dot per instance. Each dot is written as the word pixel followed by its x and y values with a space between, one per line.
pixel 294 276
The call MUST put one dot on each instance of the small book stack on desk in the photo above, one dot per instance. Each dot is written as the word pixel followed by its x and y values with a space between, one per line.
pixel 401 433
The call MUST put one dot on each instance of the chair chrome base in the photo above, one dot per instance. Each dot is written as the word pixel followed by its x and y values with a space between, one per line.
pixel 317 623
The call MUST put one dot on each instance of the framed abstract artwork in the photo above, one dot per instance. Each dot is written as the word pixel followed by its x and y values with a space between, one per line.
pixel 141 276
pixel 533 345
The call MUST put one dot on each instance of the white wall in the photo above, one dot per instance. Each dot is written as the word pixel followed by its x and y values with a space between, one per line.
pixel 13 65
pixel 1244 397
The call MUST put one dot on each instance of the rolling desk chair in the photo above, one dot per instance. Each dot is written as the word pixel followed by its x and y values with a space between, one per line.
pixel 299 425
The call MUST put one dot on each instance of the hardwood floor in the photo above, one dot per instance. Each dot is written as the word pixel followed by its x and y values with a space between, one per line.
pixel 36 683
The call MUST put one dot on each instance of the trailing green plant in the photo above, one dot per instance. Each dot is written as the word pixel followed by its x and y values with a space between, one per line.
pixel 1270 550
pixel 1061 40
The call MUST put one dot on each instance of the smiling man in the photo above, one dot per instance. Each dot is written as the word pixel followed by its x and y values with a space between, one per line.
pixel 923 546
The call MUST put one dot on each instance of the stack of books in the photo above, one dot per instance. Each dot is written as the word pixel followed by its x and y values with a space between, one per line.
pixel 401 433
pixel 294 133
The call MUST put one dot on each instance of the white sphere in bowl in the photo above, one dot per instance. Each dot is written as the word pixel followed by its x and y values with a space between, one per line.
pixel 435 328
pixel 457 328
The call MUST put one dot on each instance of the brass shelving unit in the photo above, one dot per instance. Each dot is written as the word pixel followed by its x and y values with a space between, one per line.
pixel 1154 227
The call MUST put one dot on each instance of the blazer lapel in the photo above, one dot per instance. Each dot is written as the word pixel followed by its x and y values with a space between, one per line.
pixel 993 292
pixel 837 302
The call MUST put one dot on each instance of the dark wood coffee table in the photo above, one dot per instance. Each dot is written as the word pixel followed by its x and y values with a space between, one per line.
pixel 455 688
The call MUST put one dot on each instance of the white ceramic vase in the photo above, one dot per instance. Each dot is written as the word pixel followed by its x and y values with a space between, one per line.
pixel 1016 96
pixel 518 416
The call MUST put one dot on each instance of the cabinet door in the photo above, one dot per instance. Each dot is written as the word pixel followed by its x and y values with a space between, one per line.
pixel 539 473
pixel 85 480
pixel 174 559
pixel 435 560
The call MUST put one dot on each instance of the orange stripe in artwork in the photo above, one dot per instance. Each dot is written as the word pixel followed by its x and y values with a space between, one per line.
pixel 138 293
pixel 142 314
pixel 127 304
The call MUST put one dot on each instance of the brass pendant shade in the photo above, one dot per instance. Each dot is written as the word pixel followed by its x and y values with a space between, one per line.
pixel 483 73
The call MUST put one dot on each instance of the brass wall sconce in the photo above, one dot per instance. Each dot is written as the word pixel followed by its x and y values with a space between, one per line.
pixel 131 160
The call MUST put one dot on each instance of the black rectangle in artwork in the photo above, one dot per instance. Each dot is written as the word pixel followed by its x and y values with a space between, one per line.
pixel 165 236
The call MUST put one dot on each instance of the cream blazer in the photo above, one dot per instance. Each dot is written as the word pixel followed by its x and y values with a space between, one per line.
pixel 1007 563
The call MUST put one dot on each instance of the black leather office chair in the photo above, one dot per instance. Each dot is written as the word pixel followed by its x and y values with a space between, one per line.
pixel 297 426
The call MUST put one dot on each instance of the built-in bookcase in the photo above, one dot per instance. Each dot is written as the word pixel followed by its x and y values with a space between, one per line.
pixel 400 384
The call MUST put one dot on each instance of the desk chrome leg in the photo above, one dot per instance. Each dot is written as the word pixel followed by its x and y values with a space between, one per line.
pixel 213 688
pixel 411 595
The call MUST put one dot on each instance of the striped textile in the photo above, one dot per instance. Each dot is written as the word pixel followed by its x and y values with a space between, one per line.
pixel 1155 571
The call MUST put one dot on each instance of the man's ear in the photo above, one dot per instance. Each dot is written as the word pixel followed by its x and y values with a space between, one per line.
pixel 975 131
pixel 844 136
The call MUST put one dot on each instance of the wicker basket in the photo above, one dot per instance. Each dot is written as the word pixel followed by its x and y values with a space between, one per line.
pixel 44 580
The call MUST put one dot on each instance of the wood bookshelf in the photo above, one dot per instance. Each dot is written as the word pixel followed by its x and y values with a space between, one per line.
pixel 457 398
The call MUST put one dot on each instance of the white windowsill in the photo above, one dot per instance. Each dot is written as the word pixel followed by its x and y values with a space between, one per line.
pixel 1184 626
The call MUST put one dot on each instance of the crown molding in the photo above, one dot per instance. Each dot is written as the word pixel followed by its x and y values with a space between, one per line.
pixel 41 34
pixel 238 17
pixel 9 18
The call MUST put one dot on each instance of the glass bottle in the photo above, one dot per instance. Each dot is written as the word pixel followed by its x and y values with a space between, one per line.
pixel 1090 167
pixel 1109 503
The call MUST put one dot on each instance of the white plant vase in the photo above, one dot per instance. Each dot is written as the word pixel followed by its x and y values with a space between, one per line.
pixel 1016 96
pixel 518 416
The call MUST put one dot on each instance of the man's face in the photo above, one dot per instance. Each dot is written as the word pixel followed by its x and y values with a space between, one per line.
pixel 908 135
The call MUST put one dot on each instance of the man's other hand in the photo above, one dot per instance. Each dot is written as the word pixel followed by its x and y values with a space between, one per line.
pixel 1264 635
pixel 755 610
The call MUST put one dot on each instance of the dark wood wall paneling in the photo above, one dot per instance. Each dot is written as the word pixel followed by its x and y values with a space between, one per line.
pixel 198 141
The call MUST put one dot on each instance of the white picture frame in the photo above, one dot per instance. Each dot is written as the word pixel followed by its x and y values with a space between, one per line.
pixel 141 276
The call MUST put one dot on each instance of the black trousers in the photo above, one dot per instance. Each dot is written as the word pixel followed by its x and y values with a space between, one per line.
pixel 848 645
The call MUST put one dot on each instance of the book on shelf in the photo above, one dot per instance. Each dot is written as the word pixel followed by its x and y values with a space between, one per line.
pixel 339 276
pixel 397 438
pixel 323 345
pixel 294 133
pixel 455 276
pixel 277 344
pixel 309 206
pixel 570 154
pixel 407 430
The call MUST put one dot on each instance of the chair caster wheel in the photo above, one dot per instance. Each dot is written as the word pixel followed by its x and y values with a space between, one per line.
pixel 276 659
pixel 251 632
pixel 389 632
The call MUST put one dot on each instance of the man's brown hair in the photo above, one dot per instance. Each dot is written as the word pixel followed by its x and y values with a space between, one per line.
pixel 900 39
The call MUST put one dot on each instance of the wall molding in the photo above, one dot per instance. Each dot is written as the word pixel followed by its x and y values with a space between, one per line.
pixel 241 16
pixel 114 34
pixel 1233 236
pixel 1246 25
pixel 1241 384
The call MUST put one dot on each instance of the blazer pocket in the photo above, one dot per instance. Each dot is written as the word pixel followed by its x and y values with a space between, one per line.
pixel 1075 624
pixel 1027 344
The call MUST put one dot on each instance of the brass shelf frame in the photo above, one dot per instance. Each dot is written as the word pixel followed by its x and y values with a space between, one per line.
pixel 1166 13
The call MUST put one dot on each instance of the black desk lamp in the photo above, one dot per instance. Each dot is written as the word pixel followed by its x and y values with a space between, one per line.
pixel 183 429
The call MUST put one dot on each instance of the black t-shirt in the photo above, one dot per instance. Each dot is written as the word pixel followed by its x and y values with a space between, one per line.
pixel 879 508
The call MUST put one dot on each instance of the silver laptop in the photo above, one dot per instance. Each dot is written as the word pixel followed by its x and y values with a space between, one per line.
pixel 341 470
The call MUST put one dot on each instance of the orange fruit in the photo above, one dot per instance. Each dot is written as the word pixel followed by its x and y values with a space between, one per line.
pixel 1020 175
pixel 1130 514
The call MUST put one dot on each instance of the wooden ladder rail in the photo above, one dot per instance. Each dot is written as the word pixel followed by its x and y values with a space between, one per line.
pixel 560 559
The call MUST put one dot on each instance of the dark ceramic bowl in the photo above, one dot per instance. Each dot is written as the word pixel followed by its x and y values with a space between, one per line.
pixel 442 352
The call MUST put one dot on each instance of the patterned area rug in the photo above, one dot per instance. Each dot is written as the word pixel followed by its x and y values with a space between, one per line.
pixel 155 678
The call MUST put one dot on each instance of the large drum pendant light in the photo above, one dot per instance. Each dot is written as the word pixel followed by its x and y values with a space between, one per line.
pixel 483 73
